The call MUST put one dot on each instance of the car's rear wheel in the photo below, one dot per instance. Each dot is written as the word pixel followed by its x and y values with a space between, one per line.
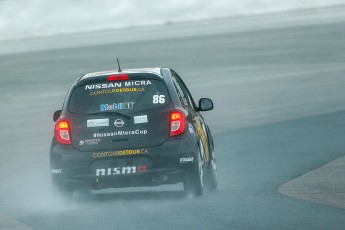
pixel 211 179
pixel 193 182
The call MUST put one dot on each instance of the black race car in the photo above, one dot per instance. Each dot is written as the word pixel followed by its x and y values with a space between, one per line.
pixel 136 127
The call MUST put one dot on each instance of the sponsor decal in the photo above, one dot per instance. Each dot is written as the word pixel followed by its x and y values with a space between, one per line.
pixel 137 83
pixel 119 123
pixel 56 171
pixel 199 130
pixel 121 90
pixel 116 106
pixel 104 86
pixel 186 160
pixel 158 99
pixel 120 153
pixel 97 122
pixel 140 119
pixel 121 170
pixel 90 142
pixel 121 133
pixel 190 128
pixel 118 84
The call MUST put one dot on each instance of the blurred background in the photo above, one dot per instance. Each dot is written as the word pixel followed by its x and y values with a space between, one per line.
pixel 22 19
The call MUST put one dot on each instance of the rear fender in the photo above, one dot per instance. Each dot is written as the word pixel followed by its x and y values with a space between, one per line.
pixel 210 143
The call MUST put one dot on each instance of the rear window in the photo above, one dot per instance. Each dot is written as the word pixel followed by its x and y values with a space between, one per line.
pixel 120 96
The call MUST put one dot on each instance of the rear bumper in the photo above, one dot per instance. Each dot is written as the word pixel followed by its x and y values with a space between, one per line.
pixel 150 178
pixel 143 166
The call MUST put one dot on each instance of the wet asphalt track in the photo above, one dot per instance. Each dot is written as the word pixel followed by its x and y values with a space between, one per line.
pixel 280 99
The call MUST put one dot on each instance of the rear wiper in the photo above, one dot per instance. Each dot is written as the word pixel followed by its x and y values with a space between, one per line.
pixel 111 112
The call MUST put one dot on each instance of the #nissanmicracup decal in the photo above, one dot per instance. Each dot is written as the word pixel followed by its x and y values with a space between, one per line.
pixel 140 119
pixel 97 122
pixel 121 133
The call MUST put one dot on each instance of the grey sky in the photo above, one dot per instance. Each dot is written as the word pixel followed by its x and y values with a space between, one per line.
pixel 42 17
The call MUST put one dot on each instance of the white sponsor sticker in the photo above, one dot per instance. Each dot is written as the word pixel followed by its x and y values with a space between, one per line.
pixel 56 171
pixel 140 119
pixel 186 160
pixel 190 127
pixel 98 122
pixel 90 142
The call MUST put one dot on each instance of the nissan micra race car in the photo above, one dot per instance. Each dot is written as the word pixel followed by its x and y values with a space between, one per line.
pixel 136 127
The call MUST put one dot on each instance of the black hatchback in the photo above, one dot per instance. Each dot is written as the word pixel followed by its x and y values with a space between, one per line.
pixel 136 127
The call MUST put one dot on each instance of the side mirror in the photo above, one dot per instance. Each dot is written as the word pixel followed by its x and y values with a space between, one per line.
pixel 56 115
pixel 205 104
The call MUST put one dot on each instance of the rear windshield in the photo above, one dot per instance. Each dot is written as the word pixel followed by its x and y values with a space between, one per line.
pixel 120 96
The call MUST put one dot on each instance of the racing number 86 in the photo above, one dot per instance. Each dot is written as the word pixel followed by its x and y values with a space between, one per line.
pixel 158 99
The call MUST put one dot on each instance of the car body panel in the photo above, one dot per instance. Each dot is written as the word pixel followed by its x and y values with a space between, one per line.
pixel 137 161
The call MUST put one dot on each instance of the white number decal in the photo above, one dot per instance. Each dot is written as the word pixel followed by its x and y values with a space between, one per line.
pixel 158 99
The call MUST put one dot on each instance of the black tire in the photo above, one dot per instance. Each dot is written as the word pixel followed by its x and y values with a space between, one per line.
pixel 211 178
pixel 193 182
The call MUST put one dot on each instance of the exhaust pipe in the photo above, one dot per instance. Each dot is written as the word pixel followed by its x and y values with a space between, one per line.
pixel 161 178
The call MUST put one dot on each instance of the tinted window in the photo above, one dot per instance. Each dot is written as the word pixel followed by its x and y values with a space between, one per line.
pixel 120 96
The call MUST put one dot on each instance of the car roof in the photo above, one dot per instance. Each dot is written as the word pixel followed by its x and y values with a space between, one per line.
pixel 156 71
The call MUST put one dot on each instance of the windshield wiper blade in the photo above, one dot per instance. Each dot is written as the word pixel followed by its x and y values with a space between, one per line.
pixel 111 112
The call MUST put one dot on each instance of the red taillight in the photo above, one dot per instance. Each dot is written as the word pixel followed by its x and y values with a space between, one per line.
pixel 177 123
pixel 63 132
pixel 117 77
